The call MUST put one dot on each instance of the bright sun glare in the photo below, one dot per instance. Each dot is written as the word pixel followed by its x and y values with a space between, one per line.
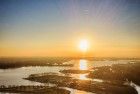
pixel 83 45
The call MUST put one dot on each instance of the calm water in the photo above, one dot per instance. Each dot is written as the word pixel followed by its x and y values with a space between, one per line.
pixel 14 76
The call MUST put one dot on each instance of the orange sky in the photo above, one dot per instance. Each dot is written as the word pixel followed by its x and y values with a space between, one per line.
pixel 55 28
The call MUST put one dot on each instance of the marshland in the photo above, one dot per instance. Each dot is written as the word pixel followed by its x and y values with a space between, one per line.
pixel 84 76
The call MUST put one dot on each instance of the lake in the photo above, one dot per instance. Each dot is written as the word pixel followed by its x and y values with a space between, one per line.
pixel 15 76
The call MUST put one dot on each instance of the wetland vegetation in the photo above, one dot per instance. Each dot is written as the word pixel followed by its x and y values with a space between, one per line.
pixel 74 71
pixel 120 72
pixel 116 79
pixel 33 90
pixel 6 63
pixel 113 79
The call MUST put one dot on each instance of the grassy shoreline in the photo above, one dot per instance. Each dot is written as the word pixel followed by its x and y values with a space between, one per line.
pixel 116 79
pixel 120 72
pixel 33 90
pixel 86 85
pixel 6 63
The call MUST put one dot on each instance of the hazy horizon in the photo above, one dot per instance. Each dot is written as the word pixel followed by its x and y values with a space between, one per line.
pixel 40 28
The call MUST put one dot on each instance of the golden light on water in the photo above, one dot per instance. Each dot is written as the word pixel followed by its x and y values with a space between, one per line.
pixel 83 64
pixel 82 77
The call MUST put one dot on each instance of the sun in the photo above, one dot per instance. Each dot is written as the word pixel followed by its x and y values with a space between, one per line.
pixel 83 45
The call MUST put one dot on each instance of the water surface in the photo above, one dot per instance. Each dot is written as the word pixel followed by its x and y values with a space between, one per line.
pixel 15 76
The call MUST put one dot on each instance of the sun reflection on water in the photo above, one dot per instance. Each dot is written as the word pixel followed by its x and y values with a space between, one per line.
pixel 82 77
pixel 83 64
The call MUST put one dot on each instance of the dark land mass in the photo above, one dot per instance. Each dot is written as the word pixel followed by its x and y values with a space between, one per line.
pixel 33 90
pixel 75 71
pixel 120 72
pixel 86 85
pixel 104 58
pixel 14 62
pixel 6 63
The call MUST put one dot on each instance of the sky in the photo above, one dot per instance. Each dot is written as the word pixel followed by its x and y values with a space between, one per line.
pixel 55 27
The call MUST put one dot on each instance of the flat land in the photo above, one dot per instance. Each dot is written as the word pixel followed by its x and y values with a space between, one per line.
pixel 6 63
pixel 86 85
pixel 33 90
